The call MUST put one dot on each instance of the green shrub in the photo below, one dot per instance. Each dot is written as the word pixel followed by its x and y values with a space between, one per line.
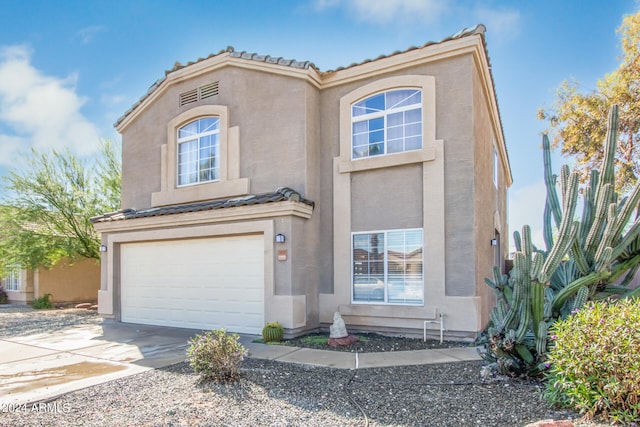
pixel 43 302
pixel 273 332
pixel 4 297
pixel 595 361
pixel 216 356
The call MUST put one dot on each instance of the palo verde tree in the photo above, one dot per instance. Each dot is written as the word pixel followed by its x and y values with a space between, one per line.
pixel 47 205
pixel 577 121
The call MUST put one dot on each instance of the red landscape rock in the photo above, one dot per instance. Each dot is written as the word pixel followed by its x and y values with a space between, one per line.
pixel 84 305
pixel 551 423
pixel 348 340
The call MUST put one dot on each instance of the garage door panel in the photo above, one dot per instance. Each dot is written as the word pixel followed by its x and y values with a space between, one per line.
pixel 196 283
pixel 238 295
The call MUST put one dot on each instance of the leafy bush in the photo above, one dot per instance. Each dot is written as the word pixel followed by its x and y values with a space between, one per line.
pixel 595 361
pixel 273 332
pixel 216 356
pixel 4 297
pixel 43 302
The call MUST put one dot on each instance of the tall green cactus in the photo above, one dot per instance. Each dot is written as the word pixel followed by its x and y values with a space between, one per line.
pixel 581 262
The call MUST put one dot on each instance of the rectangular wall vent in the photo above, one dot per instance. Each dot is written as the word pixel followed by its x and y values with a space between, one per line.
pixel 188 97
pixel 198 94
pixel 208 90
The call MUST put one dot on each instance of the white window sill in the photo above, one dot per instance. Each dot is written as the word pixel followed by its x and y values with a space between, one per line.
pixel 387 160
pixel 199 192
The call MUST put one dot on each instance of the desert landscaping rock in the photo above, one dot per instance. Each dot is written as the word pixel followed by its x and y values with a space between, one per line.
pixel 272 393
pixel 551 423
pixel 18 320
pixel 344 341
pixel 84 305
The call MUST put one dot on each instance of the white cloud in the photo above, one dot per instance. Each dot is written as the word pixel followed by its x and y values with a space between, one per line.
pixel 526 206
pixel 111 100
pixel 8 154
pixel 499 23
pixel 40 111
pixel 385 11
pixel 87 34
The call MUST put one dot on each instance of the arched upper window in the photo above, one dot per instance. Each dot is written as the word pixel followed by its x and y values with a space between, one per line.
pixel 199 151
pixel 385 123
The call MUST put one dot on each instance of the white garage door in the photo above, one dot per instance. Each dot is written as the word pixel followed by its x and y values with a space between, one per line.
pixel 195 283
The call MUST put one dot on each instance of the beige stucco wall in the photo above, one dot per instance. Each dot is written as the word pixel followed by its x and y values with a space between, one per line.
pixel 278 127
pixel 266 109
pixel 69 282
pixel 386 199
pixel 400 197
pixel 288 131
pixel 66 282
pixel 490 202
pixel 454 118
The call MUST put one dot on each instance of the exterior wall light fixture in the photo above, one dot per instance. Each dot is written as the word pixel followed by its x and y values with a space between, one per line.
pixel 103 248
pixel 494 242
pixel 279 238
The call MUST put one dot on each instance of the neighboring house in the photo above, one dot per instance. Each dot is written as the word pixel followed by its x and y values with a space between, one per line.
pixel 66 282
pixel 258 189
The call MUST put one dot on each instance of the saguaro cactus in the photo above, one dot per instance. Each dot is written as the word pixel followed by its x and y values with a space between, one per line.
pixel 581 261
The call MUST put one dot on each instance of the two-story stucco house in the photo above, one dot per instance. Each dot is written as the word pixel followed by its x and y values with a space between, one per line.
pixel 260 189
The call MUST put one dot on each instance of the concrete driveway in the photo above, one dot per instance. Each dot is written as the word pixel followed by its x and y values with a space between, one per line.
pixel 42 366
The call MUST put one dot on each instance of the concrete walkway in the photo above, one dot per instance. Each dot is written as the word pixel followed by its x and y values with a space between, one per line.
pixel 42 366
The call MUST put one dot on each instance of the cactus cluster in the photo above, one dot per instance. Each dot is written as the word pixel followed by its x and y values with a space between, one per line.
pixel 594 257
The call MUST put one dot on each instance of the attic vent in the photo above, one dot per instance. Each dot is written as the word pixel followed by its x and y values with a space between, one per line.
pixel 188 97
pixel 208 90
pixel 198 94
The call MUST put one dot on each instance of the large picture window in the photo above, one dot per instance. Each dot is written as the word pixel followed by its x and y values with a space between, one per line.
pixel 387 267
pixel 388 122
pixel 199 151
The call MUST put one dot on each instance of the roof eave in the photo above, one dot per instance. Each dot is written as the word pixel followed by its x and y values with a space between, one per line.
pixel 225 59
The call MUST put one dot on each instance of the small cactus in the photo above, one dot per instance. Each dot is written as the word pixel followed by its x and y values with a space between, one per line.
pixel 273 332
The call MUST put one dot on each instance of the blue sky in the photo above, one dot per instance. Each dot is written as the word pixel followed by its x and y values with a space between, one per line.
pixel 69 69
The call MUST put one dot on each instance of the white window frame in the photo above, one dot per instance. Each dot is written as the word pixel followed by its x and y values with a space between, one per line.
pixel 230 183
pixel 384 114
pixel 425 83
pixel 13 281
pixel 215 133
pixel 385 268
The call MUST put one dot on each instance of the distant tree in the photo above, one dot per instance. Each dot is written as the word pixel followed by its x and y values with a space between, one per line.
pixel 47 206
pixel 578 120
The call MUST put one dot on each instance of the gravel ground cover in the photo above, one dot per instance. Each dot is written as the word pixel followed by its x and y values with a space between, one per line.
pixel 16 320
pixel 283 394
pixel 371 343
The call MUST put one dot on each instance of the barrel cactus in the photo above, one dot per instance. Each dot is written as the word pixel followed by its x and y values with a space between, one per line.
pixel 273 332
pixel 594 257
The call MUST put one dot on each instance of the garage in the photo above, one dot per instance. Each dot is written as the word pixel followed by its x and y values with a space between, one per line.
pixel 202 283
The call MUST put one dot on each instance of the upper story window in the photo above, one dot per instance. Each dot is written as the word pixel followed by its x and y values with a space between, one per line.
pixel 388 122
pixel 201 159
pixel 199 151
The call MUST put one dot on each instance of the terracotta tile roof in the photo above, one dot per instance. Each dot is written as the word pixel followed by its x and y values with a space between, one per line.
pixel 282 194
pixel 478 29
